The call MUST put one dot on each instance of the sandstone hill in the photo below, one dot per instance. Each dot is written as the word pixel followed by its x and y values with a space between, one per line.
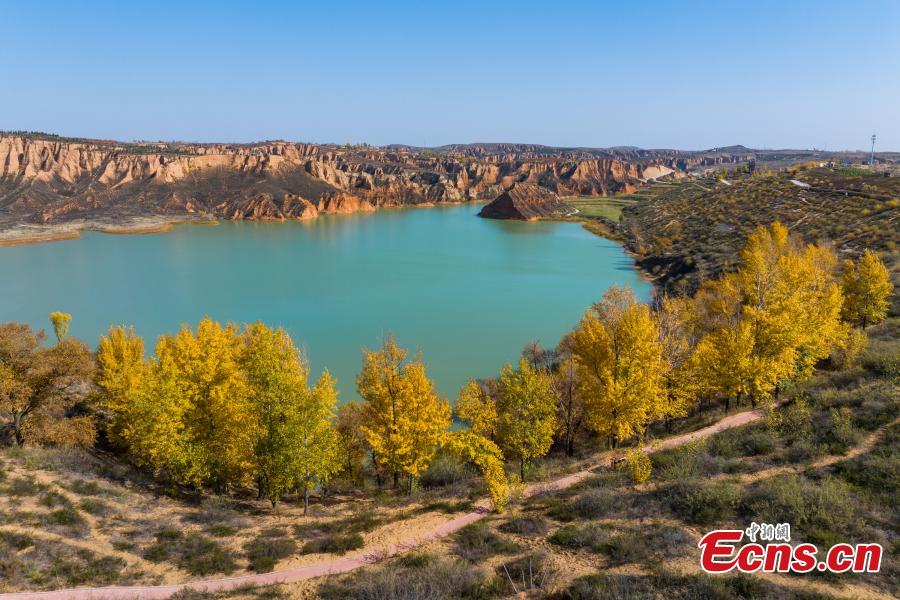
pixel 46 180
pixel 526 201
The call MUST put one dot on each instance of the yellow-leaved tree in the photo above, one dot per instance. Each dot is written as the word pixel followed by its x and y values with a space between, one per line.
pixel 121 370
pixel 403 417
pixel 678 342
pixel 476 407
pixel 276 380
pixel 318 444
pixel 867 287
pixel 484 454
pixel 620 365
pixel 526 413
pixel 772 319
pixel 60 322
pixel 353 443
pixel 217 444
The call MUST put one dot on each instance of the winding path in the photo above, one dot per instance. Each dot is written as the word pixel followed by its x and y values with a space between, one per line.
pixel 350 563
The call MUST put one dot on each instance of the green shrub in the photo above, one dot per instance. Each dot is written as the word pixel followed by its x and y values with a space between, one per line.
pixel 196 554
pixel 53 499
pixel 592 536
pixel 528 573
pixel 95 507
pixel 525 525
pixel 333 544
pixel 820 509
pixel 478 541
pixel 264 552
pixel 877 472
pixel 67 517
pixel 440 579
pixel 25 486
pixel 703 503
pixel 199 555
pixel 16 541
pixel 219 530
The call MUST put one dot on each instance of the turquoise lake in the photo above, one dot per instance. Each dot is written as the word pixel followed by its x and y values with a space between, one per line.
pixel 467 292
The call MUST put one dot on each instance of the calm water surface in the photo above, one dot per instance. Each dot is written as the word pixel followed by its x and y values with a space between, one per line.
pixel 467 292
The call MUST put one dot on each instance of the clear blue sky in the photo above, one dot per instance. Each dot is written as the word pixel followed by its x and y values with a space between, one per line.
pixel 651 74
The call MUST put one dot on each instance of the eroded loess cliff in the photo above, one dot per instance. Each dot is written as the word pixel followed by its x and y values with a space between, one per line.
pixel 526 201
pixel 51 181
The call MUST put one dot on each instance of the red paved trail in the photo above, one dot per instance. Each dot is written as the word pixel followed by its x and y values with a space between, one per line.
pixel 349 563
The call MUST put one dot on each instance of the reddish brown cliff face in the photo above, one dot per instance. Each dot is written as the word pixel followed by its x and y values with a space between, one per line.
pixel 525 201
pixel 51 181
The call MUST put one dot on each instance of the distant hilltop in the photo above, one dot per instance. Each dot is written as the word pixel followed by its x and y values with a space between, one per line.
pixel 47 179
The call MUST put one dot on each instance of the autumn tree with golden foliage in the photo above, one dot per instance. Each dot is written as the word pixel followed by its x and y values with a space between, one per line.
pixel 678 343
pixel 772 319
pixel 41 386
pixel 867 287
pixel 216 441
pixel 353 445
pixel 620 365
pixel 486 456
pixel 121 370
pixel 477 408
pixel 403 417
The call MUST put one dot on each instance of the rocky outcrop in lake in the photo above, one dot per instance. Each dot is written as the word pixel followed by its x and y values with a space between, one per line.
pixel 526 201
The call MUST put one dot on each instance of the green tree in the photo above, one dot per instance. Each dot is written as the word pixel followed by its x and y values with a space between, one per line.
pixel 526 409
pixel 318 444
pixel 60 321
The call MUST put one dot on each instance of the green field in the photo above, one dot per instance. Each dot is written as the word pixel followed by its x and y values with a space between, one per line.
pixel 610 208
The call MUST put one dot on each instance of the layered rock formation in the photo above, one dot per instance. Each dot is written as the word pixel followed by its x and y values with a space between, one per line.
pixel 526 201
pixel 49 180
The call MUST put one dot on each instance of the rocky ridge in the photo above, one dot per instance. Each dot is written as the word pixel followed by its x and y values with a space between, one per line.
pixel 52 181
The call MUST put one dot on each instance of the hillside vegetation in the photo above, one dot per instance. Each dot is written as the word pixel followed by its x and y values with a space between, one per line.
pixel 692 230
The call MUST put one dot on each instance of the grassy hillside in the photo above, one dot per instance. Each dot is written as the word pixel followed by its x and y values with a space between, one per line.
pixel 830 468
pixel 694 229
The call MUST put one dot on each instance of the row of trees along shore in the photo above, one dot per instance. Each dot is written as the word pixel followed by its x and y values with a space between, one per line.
pixel 222 407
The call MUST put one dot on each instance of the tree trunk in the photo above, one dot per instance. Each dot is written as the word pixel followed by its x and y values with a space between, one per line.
pixel 305 497
pixel 522 468
pixel 17 429
pixel 396 479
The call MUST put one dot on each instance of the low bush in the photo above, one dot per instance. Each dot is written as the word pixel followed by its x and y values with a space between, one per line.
pixel 196 554
pixel 264 552
pixel 703 503
pixel 592 536
pixel 647 544
pixel 823 510
pixel 525 525
pixel 478 541
pixel 663 586
pixel 95 507
pixel 335 543
pixel 594 504
pixel 528 573
pixel 439 579
pixel 25 486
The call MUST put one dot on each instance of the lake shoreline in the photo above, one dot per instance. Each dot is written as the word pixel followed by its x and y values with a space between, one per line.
pixel 32 233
